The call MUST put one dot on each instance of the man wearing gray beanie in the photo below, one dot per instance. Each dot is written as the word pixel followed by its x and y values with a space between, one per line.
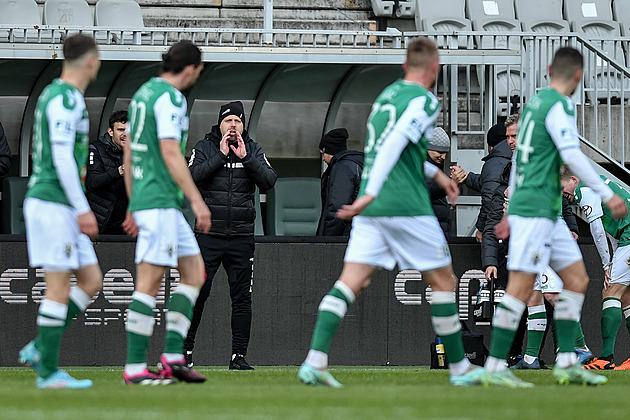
pixel 439 146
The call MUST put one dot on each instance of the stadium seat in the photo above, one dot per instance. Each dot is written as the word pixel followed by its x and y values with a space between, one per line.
pixel 294 207
pixel 449 17
pixel 541 16
pixel 388 8
pixel 14 190
pixel 594 19
pixel 19 13
pixel 497 16
pixel 67 13
pixel 120 14
pixel 621 13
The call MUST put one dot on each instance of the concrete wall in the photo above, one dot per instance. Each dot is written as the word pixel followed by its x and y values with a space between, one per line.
pixel 389 324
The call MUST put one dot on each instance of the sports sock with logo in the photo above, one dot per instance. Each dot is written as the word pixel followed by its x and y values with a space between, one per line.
pixel 331 311
pixel 178 317
pixel 536 325
pixel 567 317
pixel 447 326
pixel 140 323
pixel 611 321
pixel 51 321
pixel 504 325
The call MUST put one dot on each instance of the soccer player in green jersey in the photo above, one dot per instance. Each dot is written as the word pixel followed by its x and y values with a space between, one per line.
pixel 547 136
pixel 394 222
pixel 157 180
pixel 59 222
pixel 616 294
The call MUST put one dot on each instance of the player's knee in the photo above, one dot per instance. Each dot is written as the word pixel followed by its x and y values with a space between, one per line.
pixel 552 298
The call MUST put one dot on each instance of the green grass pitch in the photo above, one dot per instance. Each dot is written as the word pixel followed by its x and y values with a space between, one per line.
pixel 274 392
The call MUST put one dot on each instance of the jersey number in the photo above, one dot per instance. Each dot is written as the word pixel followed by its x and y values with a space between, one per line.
pixel 138 112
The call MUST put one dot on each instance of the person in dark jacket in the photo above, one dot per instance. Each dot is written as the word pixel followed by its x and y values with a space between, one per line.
pixel 340 181
pixel 500 154
pixel 439 145
pixel 5 154
pixel 104 182
pixel 226 166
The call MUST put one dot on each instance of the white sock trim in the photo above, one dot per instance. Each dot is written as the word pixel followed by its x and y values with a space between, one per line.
pixel 177 322
pixel 442 298
pixel 626 312
pixel 148 300
pixel 569 307
pixel 513 303
pixel 133 369
pixel 612 303
pixel 334 304
pixel 191 292
pixel 79 297
pixel 140 324
pixel 53 309
pixel 42 321
pixel 345 290
pixel 565 360
pixel 446 325
pixel 537 324
pixel 508 314
pixel 531 310
pixel 459 368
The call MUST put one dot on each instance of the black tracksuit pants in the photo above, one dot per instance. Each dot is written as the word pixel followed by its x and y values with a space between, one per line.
pixel 237 256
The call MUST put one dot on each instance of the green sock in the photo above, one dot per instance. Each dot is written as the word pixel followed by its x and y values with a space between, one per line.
pixel 447 326
pixel 331 311
pixel 579 339
pixel 611 321
pixel 567 317
pixel 536 325
pixel 504 325
pixel 178 317
pixel 139 327
pixel 50 327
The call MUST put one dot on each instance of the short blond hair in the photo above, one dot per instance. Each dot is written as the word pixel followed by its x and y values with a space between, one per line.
pixel 421 53
pixel 512 119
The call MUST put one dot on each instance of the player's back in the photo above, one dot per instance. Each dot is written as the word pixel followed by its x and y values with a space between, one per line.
pixel 60 117
pixel 411 110
pixel 537 190
pixel 157 110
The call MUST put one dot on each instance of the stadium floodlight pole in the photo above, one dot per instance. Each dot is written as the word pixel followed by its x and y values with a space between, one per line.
pixel 268 21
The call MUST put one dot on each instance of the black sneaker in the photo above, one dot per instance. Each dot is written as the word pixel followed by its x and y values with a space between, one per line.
pixel 179 370
pixel 188 358
pixel 238 362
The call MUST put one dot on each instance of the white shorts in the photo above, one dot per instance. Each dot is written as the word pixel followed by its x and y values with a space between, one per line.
pixel 164 236
pixel 53 237
pixel 415 242
pixel 620 272
pixel 548 282
pixel 538 242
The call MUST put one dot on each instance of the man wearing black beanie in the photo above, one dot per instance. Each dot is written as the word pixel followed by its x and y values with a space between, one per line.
pixel 226 166
pixel 340 181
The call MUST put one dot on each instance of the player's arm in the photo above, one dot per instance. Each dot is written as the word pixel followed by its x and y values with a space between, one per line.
pixel 177 167
pixel 592 206
pixel 62 123
pixel 448 185
pixel 563 132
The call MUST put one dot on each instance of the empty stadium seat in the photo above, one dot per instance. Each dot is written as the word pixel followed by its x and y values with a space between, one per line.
pixel 594 19
pixel 541 15
pixel 67 13
pixel 449 17
pixel 120 14
pixel 621 13
pixel 294 207
pixel 497 16
pixel 14 190
pixel 388 8
pixel 19 13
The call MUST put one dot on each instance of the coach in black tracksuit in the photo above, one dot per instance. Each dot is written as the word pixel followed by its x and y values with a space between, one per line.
pixel 226 167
